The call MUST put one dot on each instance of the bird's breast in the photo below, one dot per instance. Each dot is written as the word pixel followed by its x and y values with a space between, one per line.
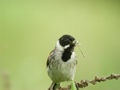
pixel 62 71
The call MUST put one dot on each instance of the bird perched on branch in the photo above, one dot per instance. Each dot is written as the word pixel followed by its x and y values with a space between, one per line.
pixel 61 63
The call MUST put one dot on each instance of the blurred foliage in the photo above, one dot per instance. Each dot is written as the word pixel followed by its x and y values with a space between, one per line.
pixel 29 30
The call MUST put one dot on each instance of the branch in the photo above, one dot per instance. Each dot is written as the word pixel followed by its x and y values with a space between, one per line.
pixel 85 83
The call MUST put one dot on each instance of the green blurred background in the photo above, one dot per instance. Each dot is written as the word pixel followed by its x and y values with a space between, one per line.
pixel 29 30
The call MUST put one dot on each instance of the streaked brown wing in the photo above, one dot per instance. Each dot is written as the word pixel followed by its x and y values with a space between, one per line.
pixel 48 59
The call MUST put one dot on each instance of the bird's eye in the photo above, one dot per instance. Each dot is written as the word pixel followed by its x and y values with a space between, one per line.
pixel 66 40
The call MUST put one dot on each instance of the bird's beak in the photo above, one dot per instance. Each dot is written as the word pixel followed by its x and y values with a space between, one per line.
pixel 75 42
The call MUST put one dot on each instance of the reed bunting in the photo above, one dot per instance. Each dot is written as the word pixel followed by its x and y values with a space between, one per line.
pixel 61 63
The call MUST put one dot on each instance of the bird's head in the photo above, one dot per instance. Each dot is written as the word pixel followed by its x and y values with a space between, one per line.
pixel 65 42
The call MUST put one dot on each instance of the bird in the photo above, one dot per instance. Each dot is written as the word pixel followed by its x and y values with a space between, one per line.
pixel 61 62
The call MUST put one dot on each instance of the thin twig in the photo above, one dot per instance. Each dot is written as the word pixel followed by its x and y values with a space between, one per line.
pixel 85 83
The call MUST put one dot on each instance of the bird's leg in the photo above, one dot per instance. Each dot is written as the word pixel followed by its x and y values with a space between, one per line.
pixel 56 86
pixel 51 86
